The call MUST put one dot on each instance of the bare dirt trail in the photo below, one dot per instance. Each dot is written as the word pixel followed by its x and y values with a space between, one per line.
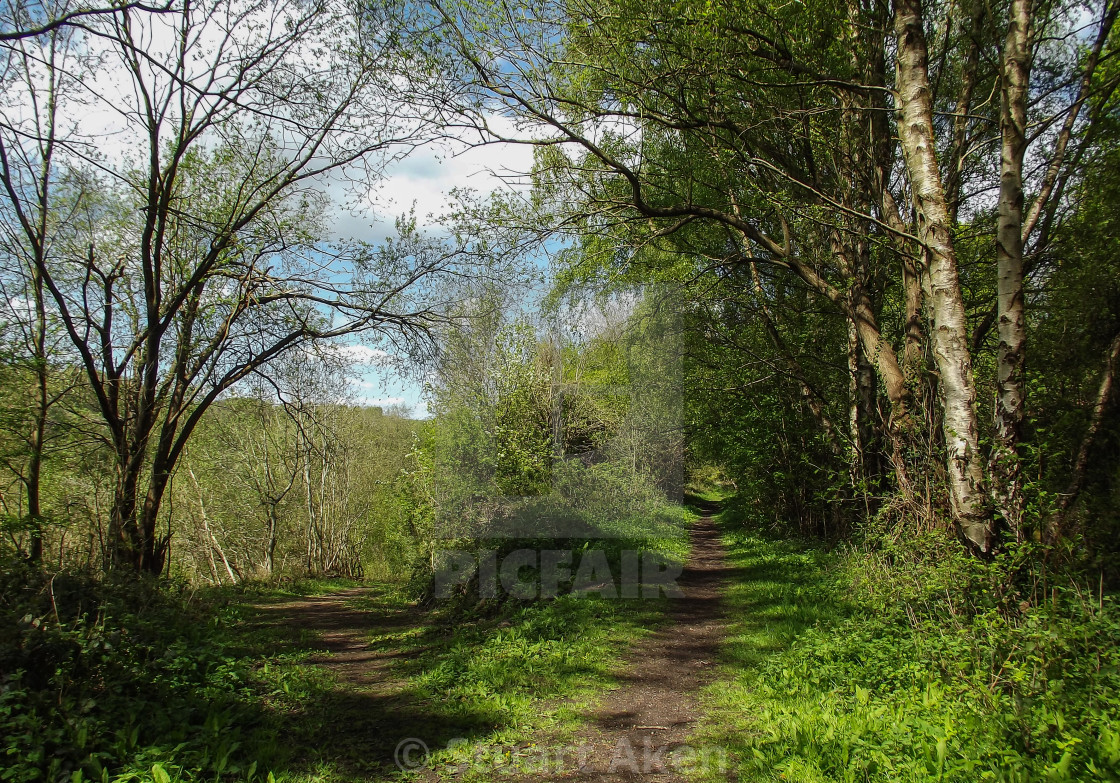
pixel 351 726
pixel 641 731
pixel 342 627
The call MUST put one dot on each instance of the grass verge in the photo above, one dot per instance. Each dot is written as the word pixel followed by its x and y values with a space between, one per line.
pixel 911 662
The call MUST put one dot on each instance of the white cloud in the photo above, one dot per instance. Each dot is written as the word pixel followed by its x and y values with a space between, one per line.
pixel 425 179
pixel 413 409
pixel 379 402
pixel 364 355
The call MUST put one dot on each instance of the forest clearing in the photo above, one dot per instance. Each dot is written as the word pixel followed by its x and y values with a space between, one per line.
pixel 551 390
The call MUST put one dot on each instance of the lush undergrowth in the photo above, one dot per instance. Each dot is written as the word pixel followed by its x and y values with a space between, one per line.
pixel 912 662
pixel 111 680
pixel 142 681
pixel 134 681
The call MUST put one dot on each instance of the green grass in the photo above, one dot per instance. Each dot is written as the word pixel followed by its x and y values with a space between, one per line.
pixel 701 499
pixel 475 680
pixel 464 685
pixel 903 662
pixel 279 590
pixel 496 684
pixel 471 679
pixel 142 683
pixel 910 663
pixel 125 680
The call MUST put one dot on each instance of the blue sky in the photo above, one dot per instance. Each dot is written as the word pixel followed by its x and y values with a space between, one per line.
pixel 423 182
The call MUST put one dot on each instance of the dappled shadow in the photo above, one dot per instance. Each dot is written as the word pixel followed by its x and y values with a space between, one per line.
pixel 703 505
pixel 782 591
pixel 654 709
pixel 357 732
pixel 382 655
pixel 352 721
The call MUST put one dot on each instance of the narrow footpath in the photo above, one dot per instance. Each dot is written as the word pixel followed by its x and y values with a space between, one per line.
pixel 641 730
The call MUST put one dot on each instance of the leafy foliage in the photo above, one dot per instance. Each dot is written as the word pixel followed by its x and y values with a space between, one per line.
pixel 122 680
pixel 897 663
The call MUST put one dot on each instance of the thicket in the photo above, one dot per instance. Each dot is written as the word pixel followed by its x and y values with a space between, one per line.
pixel 307 484
pixel 553 438
pixel 915 661
pixel 899 297
pixel 119 679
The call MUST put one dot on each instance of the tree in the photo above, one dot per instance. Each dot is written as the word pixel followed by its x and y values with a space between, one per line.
pixel 744 134
pixel 34 19
pixel 191 254
pixel 40 81
pixel 253 441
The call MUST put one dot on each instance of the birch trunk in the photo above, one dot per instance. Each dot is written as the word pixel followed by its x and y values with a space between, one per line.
pixel 1010 316
pixel 949 336
pixel 208 537
pixel 856 454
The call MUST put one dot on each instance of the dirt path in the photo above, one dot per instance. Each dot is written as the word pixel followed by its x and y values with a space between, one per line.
pixel 342 627
pixel 641 731
pixel 636 732
pixel 352 725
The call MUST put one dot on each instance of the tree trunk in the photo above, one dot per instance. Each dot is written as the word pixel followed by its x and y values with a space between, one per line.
pixel 123 533
pixel 1056 524
pixel 273 531
pixel 950 335
pixel 39 433
pixel 134 542
pixel 155 547
pixel 855 429
pixel 208 537
pixel 34 508
pixel 310 500
pixel 969 71
pixel 913 355
pixel 857 306
pixel 1009 411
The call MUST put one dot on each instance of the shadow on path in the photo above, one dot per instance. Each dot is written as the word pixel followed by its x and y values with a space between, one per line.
pixel 640 731
pixel 352 723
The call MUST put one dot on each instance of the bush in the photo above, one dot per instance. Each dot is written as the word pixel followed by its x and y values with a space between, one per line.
pixel 104 678
pixel 601 506
pixel 941 667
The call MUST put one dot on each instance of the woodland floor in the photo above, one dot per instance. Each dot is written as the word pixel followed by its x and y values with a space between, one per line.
pixel 638 730
pixel 342 623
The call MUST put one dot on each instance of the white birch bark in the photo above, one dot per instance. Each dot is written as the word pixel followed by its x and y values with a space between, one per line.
pixel 949 337
pixel 1010 306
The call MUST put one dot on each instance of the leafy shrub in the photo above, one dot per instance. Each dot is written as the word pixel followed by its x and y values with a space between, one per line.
pixel 602 506
pixel 936 666
pixel 104 678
